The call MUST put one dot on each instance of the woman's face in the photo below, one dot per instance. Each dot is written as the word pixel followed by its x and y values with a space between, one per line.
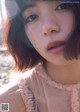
pixel 48 25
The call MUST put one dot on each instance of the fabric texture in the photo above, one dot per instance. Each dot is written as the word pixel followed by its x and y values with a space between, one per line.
pixel 41 94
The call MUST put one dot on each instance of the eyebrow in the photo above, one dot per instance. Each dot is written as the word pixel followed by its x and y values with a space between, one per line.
pixel 28 5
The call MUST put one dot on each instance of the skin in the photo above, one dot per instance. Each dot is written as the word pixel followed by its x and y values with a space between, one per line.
pixel 48 25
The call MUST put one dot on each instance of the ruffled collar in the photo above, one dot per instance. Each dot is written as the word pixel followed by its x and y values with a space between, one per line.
pixel 43 74
pixel 73 88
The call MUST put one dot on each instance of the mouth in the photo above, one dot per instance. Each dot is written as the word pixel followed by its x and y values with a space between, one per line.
pixel 56 46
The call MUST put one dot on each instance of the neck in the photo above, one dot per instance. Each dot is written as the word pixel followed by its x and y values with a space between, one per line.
pixel 65 74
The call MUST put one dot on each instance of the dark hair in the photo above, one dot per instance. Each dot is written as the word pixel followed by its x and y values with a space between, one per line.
pixel 25 55
pixel 72 49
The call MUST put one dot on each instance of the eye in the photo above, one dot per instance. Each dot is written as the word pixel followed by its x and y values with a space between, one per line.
pixel 31 18
pixel 63 7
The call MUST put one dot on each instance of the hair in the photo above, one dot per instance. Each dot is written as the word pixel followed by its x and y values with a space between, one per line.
pixel 72 49
pixel 25 54
pixel 21 49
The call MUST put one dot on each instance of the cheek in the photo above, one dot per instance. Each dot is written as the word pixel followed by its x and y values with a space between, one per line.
pixel 69 21
pixel 67 24
pixel 30 35
pixel 32 31
pixel 34 36
pixel 34 28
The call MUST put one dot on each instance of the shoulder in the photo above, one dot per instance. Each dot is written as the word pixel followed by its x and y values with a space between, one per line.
pixel 9 93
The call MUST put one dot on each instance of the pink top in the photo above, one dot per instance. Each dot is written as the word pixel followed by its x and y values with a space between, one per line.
pixel 41 94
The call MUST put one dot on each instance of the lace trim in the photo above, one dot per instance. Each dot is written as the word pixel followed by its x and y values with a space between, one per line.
pixel 28 97
pixel 75 101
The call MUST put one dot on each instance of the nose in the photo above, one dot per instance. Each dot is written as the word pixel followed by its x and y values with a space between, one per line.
pixel 49 27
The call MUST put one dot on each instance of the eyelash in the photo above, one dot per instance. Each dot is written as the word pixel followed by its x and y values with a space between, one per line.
pixel 34 16
pixel 31 18
pixel 63 7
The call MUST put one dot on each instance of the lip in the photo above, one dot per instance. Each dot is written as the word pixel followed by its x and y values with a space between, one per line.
pixel 56 46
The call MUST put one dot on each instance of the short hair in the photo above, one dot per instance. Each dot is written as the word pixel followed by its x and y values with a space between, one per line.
pixel 25 54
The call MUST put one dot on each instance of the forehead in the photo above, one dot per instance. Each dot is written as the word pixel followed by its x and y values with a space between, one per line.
pixel 23 3
pixel 14 7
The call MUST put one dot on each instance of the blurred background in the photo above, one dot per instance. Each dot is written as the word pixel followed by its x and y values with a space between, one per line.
pixel 6 60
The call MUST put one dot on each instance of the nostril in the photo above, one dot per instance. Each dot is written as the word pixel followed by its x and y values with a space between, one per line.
pixel 45 33
pixel 49 32
pixel 52 30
